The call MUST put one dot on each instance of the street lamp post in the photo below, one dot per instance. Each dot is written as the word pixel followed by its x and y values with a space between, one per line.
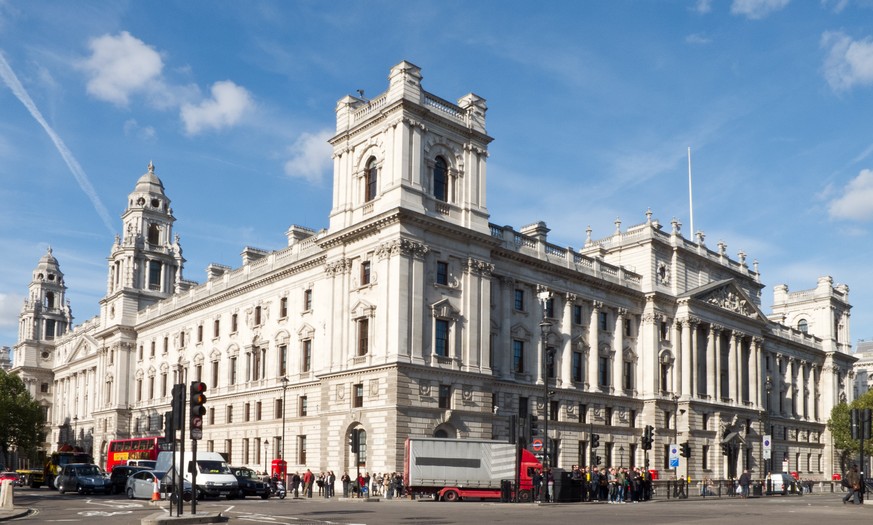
pixel 768 386
pixel 621 456
pixel 284 410
pixel 266 456
pixel 75 431
pixel 545 325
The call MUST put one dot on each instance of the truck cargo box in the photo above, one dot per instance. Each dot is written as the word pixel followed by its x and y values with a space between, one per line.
pixel 435 462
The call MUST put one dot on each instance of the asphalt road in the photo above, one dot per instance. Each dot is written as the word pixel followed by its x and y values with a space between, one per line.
pixel 51 507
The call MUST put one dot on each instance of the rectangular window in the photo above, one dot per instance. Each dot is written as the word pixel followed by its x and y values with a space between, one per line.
pixel 519 300
pixel 200 333
pixel 583 413
pixel 153 349
pixel 228 447
pixel 245 452
pixel 550 362
pixel 518 356
pixel 279 409
pixel 603 318
pixel 246 412
pixel 603 371
pixel 301 450
pixel 704 457
pixel 151 387
pixel 283 360
pixel 523 407
pixel 234 319
pixel 554 408
pixel 139 389
pixel 306 365
pixel 198 372
pixel 258 411
pixel 441 341
pixel 214 375
pixel 257 316
pixel 628 375
pixel 365 272
pixel 302 406
pixel 211 415
pixel 632 417
pixel 232 378
pixel 665 332
pixel 166 344
pixel 445 399
pixel 283 307
pixel 363 336
pixel 140 352
pixel 576 367
pixel 442 273
pixel 549 308
pixel 229 414
pixel 164 384
pixel 607 416
pixel 358 397
pixel 216 325
pixel 628 327
pixel 154 275
pixel 44 388
pixel 307 300
pixel 577 313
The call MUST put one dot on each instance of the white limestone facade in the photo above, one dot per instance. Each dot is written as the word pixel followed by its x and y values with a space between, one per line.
pixel 413 315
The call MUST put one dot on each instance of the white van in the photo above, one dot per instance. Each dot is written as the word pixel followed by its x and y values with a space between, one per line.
pixel 214 477
pixel 780 483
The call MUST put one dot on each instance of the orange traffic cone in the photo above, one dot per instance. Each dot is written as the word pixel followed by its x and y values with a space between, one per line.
pixel 156 495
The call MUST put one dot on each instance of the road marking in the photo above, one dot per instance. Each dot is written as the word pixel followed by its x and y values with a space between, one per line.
pixel 103 513
pixel 121 505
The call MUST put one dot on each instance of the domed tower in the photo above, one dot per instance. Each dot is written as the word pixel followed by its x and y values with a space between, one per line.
pixel 44 317
pixel 145 264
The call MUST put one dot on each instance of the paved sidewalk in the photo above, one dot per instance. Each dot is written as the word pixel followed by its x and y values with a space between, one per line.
pixel 17 512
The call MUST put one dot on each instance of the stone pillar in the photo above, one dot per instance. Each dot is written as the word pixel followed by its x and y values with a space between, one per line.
pixel 504 343
pixel 718 363
pixel 566 376
pixel 732 369
pixel 618 350
pixel 593 336
pixel 755 372
pixel 801 390
pixel 685 359
pixel 710 364
pixel 695 380
pixel 789 387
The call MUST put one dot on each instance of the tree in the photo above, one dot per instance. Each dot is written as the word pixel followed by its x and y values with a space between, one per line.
pixel 21 420
pixel 840 425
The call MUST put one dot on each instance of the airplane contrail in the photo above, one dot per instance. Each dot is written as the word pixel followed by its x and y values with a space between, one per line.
pixel 11 80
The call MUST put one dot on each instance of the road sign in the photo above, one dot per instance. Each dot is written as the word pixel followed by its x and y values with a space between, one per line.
pixel 767 446
pixel 674 455
pixel 537 444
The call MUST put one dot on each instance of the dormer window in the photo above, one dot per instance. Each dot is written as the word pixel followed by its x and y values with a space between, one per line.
pixel 803 326
pixel 441 180
pixel 371 180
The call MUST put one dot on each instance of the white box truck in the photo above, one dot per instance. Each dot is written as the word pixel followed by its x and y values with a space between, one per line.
pixel 214 477
pixel 452 469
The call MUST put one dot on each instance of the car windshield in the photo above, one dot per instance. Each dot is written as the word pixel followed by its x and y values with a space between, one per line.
pixel 213 467
pixel 89 470
pixel 244 473
pixel 146 463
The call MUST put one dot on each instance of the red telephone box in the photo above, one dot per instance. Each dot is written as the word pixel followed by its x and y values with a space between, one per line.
pixel 279 469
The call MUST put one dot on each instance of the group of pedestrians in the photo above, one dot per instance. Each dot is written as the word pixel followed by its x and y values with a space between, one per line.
pixel 612 485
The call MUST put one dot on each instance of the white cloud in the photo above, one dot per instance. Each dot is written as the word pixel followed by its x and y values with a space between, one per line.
pixel 120 66
pixel 227 106
pixel 703 6
pixel 697 39
pixel 854 203
pixel 310 156
pixel 838 5
pixel 132 128
pixel 757 9
pixel 10 307
pixel 849 62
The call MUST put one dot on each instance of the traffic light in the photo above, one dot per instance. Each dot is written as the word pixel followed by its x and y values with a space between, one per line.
pixel 648 438
pixel 198 410
pixel 725 450
pixel 595 442
pixel 178 406
pixel 354 441
pixel 597 460
pixel 685 450
pixel 534 425
pixel 169 429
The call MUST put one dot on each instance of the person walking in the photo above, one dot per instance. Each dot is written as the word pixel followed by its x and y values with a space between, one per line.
pixel 346 481
pixel 853 480
pixel 744 481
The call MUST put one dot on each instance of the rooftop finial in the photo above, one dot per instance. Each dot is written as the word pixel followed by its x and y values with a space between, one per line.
pixel 151 167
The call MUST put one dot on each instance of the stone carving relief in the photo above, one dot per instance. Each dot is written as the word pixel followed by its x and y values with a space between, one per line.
pixel 730 300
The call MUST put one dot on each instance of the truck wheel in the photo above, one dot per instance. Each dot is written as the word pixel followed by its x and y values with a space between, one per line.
pixel 451 496
pixel 524 496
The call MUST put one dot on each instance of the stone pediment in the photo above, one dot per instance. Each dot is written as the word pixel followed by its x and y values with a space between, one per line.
pixel 726 295
pixel 84 348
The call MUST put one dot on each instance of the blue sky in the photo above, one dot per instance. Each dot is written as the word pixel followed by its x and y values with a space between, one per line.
pixel 592 106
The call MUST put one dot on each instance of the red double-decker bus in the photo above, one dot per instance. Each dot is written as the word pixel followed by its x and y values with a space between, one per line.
pixel 123 451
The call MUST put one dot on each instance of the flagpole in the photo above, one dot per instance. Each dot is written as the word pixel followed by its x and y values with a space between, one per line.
pixel 690 200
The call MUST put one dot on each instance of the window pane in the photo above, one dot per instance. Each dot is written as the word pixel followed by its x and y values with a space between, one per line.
pixel 442 338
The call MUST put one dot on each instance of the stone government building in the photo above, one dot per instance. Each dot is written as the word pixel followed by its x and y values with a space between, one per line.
pixel 413 315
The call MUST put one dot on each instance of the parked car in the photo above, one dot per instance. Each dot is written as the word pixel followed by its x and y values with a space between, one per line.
pixel 141 484
pixel 119 476
pixel 84 478
pixel 11 476
pixel 249 483
pixel 780 483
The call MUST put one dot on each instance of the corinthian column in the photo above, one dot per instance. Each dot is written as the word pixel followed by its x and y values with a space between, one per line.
pixel 685 361
pixel 593 336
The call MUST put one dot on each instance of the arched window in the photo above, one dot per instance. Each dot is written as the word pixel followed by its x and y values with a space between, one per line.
pixel 154 234
pixel 803 326
pixel 371 180
pixel 441 180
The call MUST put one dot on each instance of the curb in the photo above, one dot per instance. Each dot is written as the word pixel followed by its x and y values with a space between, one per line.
pixel 14 514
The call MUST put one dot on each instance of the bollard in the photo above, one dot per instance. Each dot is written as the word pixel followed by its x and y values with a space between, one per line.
pixel 6 499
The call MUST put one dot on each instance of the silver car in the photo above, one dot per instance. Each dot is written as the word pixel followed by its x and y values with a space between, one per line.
pixel 83 478
pixel 141 485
